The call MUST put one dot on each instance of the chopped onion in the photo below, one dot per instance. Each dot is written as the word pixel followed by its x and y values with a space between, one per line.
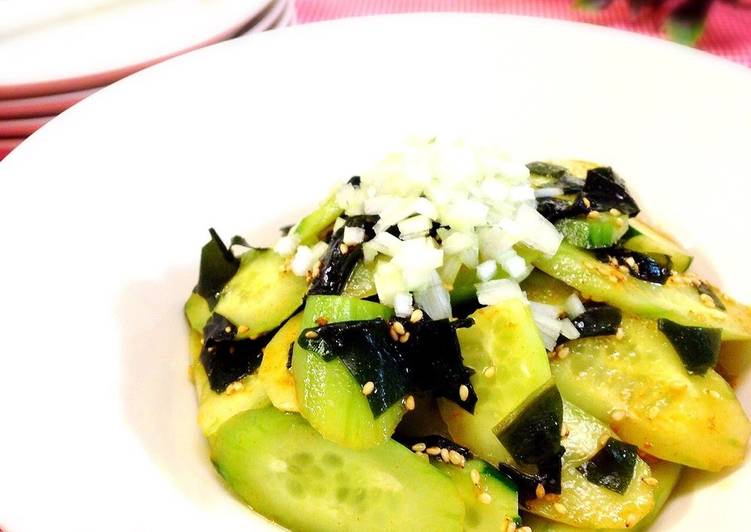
pixel 513 264
pixel 548 192
pixel 319 250
pixel 425 207
pixel 403 304
pixel 457 242
pixel 338 224
pixel 434 300
pixel 415 225
pixel 287 245
pixel 497 291
pixel 486 270
pixel 389 282
pixel 302 260
pixel 568 330
pixel 521 193
pixel 450 269
pixel 353 235
pixel 551 311
pixel 536 231
pixel 386 243
pixel 574 306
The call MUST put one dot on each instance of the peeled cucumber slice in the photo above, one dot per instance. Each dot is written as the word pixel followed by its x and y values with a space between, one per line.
pixel 197 312
pixel 593 233
pixel 309 229
pixel 286 471
pixel 648 241
pixel 276 377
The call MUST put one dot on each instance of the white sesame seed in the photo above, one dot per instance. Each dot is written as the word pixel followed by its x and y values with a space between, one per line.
pixel 368 388
pixel 409 403
pixel 445 455
pixel 715 394
pixel 475 476
pixel 560 508
pixel 511 527
pixel 614 212
pixel 618 415
pixel 228 329
pixel 419 447
pixel 586 202
pixel 650 481
pixel 463 392
pixel 404 338
pixel 415 316
pixel 433 451
pixel 619 333
pixel 653 412
pixel 454 457
pixel 593 215
pixel 343 248
pixel 242 329
pixel 398 327
pixel 392 333
pixel 524 529
pixel 631 520
pixel 311 334
pixel 485 497
pixel 489 372
pixel 563 352
pixel 540 491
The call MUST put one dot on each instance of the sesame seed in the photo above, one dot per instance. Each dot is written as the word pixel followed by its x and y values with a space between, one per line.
pixel 455 457
pixel 485 497
pixel 525 529
pixel 398 327
pixel 343 248
pixel 631 520
pixel 415 316
pixel 234 387
pixel 586 202
pixel 242 329
pixel 445 455
pixel 707 300
pixel 511 527
pixel 404 338
pixel 418 447
pixel 368 388
pixel 614 212
pixel 623 268
pixel 613 278
pixel 540 491
pixel 463 392
pixel 489 372
pixel 392 333
pixel 618 415
pixel 563 352
pixel 321 321
pixel 475 476
pixel 715 394
pixel 619 222
pixel 650 481
pixel 560 508
pixel 211 349
pixel 652 412
pixel 228 329
pixel 564 431
pixel 311 334
pixel 619 333
pixel 433 451
pixel 409 403
pixel 593 215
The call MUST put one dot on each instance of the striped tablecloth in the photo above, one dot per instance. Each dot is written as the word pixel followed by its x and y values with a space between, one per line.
pixel 728 29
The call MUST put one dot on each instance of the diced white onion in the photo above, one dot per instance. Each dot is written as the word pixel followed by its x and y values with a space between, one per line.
pixel 536 231
pixel 434 300
pixel 568 330
pixel 353 235
pixel 497 291
pixel 457 242
pixel 318 250
pixel 287 245
pixel 550 311
pixel 486 270
pixel 415 225
pixel 386 243
pixel 450 269
pixel 338 223
pixel 548 192
pixel 521 193
pixel 425 207
pixel 513 264
pixel 574 306
pixel 302 260
pixel 389 282
pixel 403 304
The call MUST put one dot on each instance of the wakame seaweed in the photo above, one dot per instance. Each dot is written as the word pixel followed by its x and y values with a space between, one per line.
pixel 612 467
pixel 225 359
pixel 218 266
pixel 639 265
pixel 598 320
pixel 429 361
pixel 605 191
pixel 554 209
pixel 706 289
pixel 340 259
pixel 698 347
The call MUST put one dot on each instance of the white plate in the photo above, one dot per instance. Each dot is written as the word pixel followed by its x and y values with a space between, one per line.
pixel 42 105
pixel 103 219
pixel 89 49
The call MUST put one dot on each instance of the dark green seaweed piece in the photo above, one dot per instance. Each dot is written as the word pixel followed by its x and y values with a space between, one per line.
pixel 225 359
pixel 639 265
pixel 434 440
pixel 218 265
pixel 704 288
pixel 549 475
pixel 605 191
pixel 354 181
pixel 554 209
pixel 532 433
pixel 339 260
pixel 612 467
pixel 430 361
pixel 546 169
pixel 698 347
pixel 598 320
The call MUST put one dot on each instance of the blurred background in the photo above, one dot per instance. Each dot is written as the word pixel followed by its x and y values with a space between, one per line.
pixel 55 53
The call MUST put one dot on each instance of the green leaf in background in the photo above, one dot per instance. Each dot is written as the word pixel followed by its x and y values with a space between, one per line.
pixel 685 24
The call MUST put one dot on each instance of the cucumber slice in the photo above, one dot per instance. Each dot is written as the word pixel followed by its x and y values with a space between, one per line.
pixel 311 228
pixel 262 294
pixel 694 420
pixel 274 372
pixel 585 504
pixel 197 312
pixel 667 475
pixel 648 241
pixel 593 233
pixel 505 349
pixel 480 516
pixel 213 408
pixel 677 302
pixel 361 282
pixel 328 396
pixel 286 471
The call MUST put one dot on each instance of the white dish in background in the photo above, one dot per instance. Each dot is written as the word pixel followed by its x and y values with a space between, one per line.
pixel 22 127
pixel 95 48
pixel 103 220
pixel 274 17
pixel 42 105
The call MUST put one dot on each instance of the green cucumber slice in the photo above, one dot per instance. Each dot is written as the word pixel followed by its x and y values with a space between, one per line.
pixel 593 233
pixel 309 230
pixel 498 510
pixel 274 372
pixel 648 241
pixel 510 362
pixel 328 396
pixel 287 472
pixel 678 302
pixel 262 294
pixel 197 312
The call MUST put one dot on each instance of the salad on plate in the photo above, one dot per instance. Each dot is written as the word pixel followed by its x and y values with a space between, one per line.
pixel 454 340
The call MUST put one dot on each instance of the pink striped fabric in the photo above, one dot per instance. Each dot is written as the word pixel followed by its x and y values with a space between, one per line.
pixel 728 30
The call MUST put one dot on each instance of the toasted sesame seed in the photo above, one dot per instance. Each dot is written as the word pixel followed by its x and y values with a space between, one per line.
pixel 593 215
pixel 559 507
pixel 614 212
pixel 343 248
pixel 489 372
pixel 475 476
pixel 631 520
pixel 707 300
pixel 211 349
pixel 234 387
pixel 586 202
pixel 511 527
pixel 398 327
pixel 652 412
pixel 563 352
pixel 455 458
pixel 623 268
pixel 678 386
pixel 540 491
pixel 228 329
pixel 715 394
pixel 415 316
pixel 618 415
pixel 445 455
pixel 619 222
pixel 311 334
pixel 612 278
pixel 404 338
pixel 463 392
pixel 321 321
pixel 524 529
pixel 368 388
pixel 420 453
pixel 433 451
pixel 409 402
pixel 564 431
pixel 485 498
pixel 418 447
pixel 619 333
pixel 650 481
pixel 392 333
pixel 242 329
